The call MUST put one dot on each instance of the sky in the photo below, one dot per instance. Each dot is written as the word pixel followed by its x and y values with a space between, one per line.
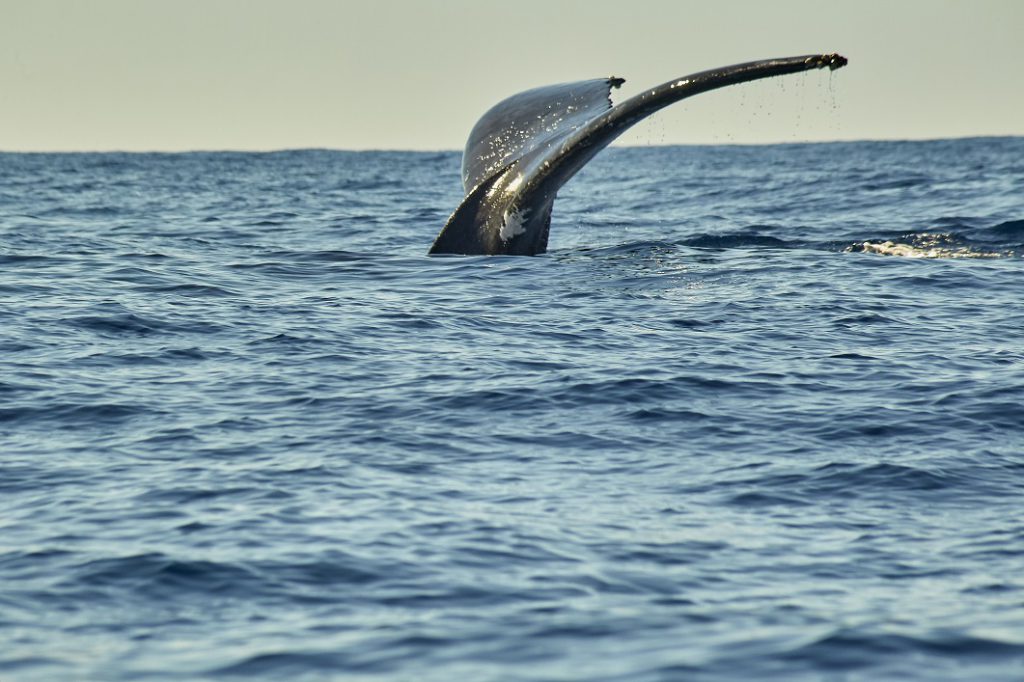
pixel 172 75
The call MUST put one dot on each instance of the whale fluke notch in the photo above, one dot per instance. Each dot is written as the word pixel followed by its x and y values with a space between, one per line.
pixel 527 146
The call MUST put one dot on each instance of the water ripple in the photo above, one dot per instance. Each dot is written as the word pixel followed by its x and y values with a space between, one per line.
pixel 755 416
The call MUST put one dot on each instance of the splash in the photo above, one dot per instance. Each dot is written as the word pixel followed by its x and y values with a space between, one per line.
pixel 926 245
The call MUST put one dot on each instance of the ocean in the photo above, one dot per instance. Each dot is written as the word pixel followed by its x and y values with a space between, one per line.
pixel 757 414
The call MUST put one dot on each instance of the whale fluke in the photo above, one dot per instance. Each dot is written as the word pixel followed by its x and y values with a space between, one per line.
pixel 529 145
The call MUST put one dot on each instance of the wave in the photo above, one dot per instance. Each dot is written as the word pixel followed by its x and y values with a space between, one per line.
pixel 850 649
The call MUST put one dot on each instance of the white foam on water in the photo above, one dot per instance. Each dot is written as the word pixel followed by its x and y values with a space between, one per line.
pixel 926 246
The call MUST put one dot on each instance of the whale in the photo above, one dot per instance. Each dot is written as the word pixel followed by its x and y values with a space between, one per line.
pixel 526 147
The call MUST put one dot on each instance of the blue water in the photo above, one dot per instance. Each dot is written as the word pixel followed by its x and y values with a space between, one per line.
pixel 758 414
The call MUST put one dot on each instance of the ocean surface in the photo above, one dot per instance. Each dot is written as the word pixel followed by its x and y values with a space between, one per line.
pixel 758 414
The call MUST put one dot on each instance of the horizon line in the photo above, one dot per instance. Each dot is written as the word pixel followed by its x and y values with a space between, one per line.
pixel 278 150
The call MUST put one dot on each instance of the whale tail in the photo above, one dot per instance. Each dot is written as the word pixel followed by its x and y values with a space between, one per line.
pixel 526 147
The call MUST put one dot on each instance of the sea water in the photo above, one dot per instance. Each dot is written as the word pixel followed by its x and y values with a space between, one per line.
pixel 757 414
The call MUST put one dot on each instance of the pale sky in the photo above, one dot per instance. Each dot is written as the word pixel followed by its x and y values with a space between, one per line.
pixel 416 74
